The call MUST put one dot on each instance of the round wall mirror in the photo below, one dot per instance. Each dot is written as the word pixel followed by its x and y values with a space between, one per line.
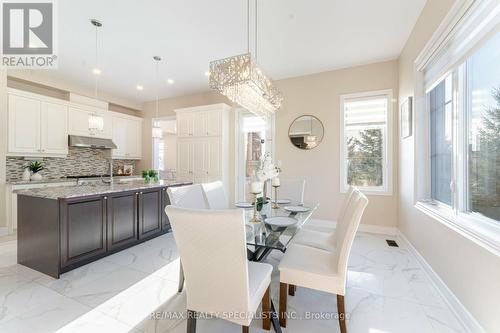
pixel 306 132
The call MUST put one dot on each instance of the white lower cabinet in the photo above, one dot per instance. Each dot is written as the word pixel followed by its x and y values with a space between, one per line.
pixel 12 198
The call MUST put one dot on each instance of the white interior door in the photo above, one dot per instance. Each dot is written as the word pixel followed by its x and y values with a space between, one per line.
pixel 24 125
pixel 54 128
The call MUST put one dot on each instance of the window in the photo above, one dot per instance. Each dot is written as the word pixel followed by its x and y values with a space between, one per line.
pixel 440 108
pixel 366 135
pixel 457 123
pixel 483 130
pixel 464 116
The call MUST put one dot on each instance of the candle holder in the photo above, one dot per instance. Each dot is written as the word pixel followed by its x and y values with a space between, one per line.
pixel 275 204
pixel 255 218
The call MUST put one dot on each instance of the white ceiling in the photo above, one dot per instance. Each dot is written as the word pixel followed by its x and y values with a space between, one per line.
pixel 296 37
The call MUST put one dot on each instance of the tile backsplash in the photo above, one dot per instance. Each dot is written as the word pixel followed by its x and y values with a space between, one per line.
pixel 80 161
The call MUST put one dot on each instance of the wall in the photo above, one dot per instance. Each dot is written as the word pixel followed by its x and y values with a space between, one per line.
pixel 79 162
pixel 470 271
pixel 319 95
pixel 55 79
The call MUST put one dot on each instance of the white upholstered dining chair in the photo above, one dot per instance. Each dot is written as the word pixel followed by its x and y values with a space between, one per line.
pixel 292 189
pixel 324 239
pixel 322 270
pixel 215 195
pixel 188 196
pixel 219 278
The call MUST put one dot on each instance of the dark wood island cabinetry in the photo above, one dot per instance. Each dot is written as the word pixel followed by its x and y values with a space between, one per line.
pixel 59 232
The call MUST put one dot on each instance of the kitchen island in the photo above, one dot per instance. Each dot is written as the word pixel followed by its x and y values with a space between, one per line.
pixel 62 228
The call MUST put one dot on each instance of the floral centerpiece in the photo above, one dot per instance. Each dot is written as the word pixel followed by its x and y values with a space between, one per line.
pixel 266 171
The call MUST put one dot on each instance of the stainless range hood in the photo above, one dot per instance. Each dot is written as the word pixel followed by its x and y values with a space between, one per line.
pixel 89 142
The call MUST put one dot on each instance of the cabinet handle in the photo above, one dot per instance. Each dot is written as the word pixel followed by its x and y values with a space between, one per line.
pixel 136 193
pixel 140 192
pixel 105 198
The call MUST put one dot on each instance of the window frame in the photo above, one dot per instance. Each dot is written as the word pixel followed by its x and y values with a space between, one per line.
pixel 472 22
pixel 387 188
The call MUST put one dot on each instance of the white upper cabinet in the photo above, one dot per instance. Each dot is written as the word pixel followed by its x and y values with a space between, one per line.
pixel 37 126
pixel 54 128
pixel 127 136
pixel 80 117
pixel 197 124
pixel 24 125
pixel 184 125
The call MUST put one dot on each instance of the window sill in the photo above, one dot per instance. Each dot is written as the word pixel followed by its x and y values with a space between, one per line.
pixel 483 233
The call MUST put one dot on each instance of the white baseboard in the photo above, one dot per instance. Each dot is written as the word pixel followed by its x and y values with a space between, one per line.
pixel 376 229
pixel 466 319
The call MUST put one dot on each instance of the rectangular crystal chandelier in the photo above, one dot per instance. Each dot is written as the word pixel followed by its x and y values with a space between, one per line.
pixel 243 82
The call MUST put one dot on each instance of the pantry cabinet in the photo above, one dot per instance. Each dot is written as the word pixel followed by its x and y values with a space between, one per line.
pixel 203 143
pixel 36 126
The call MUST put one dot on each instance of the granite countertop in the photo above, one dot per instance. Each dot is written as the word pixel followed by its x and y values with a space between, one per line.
pixel 61 180
pixel 66 192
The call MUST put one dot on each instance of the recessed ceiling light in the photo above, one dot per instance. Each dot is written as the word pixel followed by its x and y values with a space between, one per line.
pixel 96 71
pixel 139 87
pixel 170 81
pixel 207 73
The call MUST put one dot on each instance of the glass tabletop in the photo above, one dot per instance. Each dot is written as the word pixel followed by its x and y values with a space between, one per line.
pixel 265 234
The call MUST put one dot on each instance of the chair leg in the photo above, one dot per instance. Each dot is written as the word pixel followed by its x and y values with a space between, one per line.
pixel 191 321
pixel 266 310
pixel 181 278
pixel 283 294
pixel 245 329
pixel 291 289
pixel 341 313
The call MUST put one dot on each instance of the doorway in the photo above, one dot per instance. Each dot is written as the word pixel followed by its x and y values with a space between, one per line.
pixel 254 138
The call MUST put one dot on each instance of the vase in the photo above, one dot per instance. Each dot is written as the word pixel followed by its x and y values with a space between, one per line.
pixel 26 174
pixel 36 176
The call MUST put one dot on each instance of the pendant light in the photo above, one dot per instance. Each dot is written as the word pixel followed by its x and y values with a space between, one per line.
pixel 157 132
pixel 241 80
pixel 96 121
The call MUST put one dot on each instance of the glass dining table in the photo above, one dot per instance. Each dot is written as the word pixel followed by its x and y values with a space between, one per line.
pixel 264 236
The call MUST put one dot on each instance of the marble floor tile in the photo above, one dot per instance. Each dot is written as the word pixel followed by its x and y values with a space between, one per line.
pixel 135 291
